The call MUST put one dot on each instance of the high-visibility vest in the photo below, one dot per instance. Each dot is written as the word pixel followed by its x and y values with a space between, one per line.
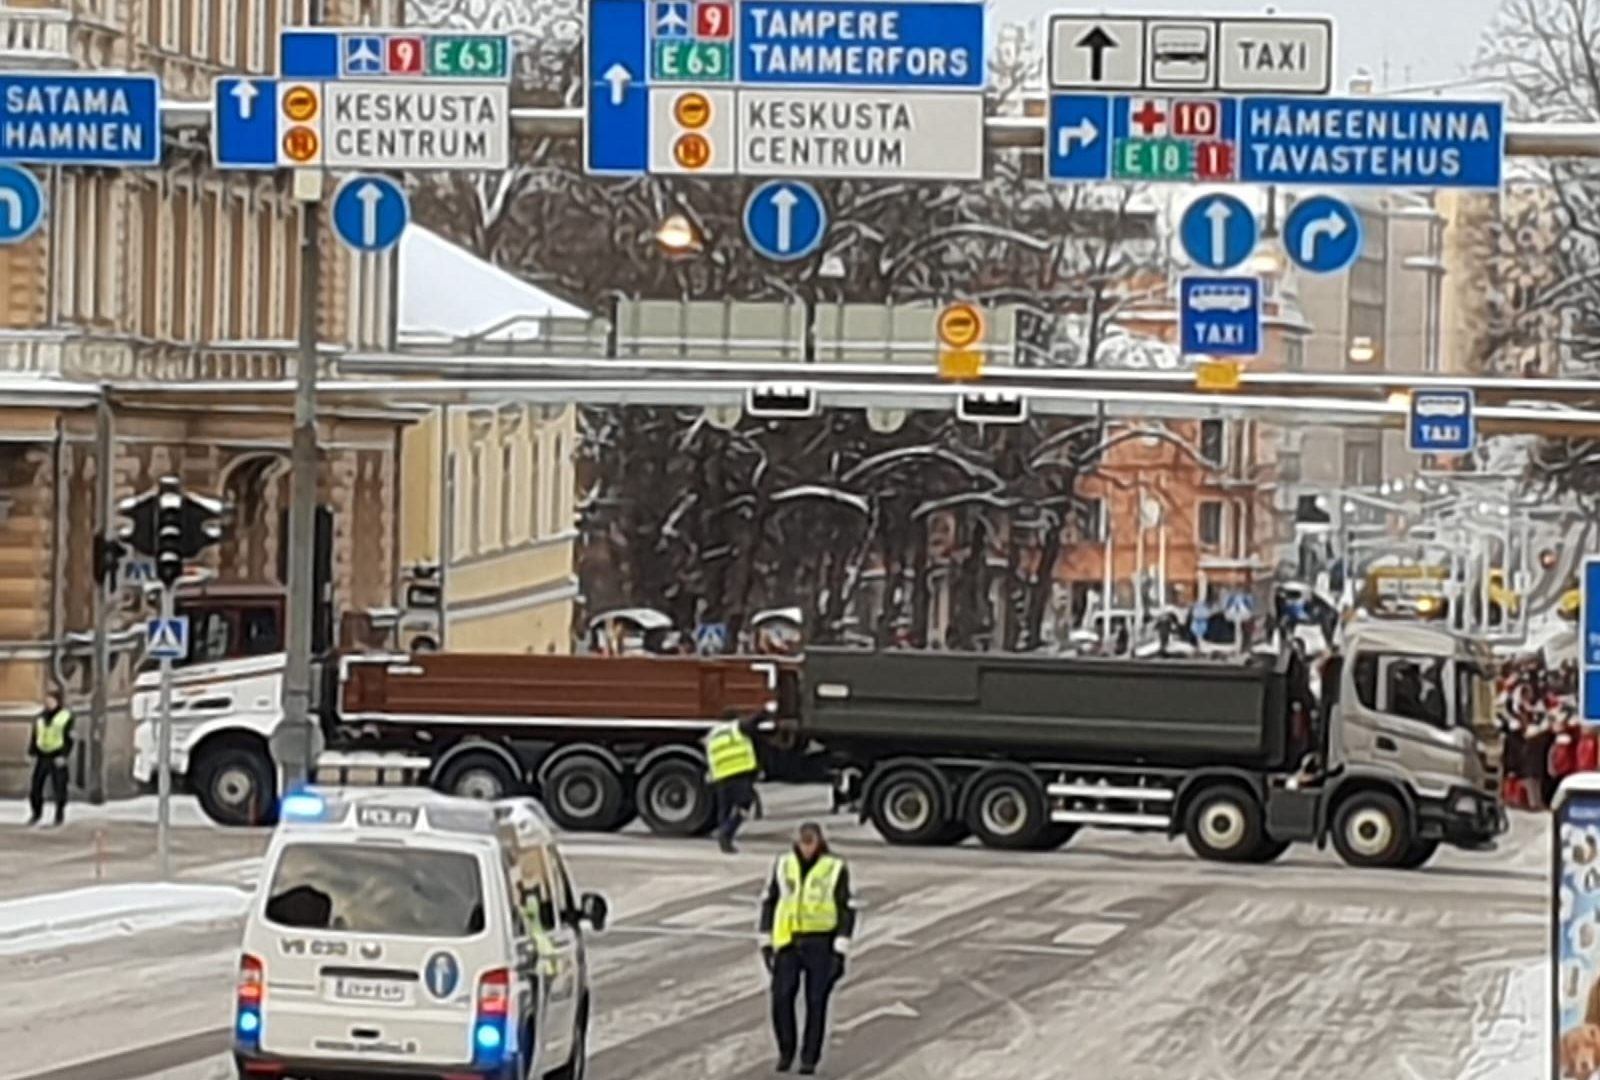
pixel 50 733
pixel 533 919
pixel 731 752
pixel 805 903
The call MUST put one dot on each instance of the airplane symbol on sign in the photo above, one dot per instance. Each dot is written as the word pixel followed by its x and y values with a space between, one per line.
pixel 363 56
pixel 672 19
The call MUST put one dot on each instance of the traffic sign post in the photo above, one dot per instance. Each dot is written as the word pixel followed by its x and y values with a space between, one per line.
pixel 785 220
pixel 21 204
pixel 800 88
pixel 1219 316
pixel 1441 422
pixel 370 99
pixel 1322 234
pixel 370 213
pixel 1218 232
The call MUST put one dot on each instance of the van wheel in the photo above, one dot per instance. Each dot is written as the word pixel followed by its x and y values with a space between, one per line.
pixel 479 775
pixel 235 786
pixel 1007 810
pixel 1370 829
pixel 907 807
pixel 673 799
pixel 584 794
pixel 1224 824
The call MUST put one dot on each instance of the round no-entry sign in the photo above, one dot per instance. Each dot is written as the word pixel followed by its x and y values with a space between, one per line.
pixel 960 326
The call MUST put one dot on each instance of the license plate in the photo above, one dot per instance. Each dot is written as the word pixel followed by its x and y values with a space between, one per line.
pixel 379 990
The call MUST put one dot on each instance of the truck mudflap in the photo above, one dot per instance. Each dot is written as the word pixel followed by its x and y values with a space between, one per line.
pixel 1464 818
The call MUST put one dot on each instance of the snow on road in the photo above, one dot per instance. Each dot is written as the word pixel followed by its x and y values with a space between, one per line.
pixel 52 921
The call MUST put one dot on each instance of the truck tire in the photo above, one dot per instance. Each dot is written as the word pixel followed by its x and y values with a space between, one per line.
pixel 1370 829
pixel 1223 824
pixel 907 806
pixel 478 775
pixel 584 794
pixel 1007 810
pixel 1268 850
pixel 1418 854
pixel 1054 836
pixel 235 785
pixel 673 798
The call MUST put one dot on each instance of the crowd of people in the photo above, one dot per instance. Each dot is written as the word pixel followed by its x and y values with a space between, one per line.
pixel 1537 708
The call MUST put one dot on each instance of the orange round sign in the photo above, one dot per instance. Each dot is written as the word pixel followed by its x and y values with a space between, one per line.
pixel 300 144
pixel 960 325
pixel 692 151
pixel 300 103
pixel 692 110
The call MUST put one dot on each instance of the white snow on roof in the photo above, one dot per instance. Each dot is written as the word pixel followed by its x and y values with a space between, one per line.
pixel 446 291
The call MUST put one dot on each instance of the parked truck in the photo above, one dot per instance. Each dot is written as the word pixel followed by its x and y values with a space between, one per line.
pixel 1241 757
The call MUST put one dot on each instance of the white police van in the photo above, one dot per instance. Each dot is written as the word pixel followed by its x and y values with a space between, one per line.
pixel 410 934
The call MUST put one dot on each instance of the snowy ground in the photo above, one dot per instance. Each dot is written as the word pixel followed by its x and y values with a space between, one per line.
pixel 1119 957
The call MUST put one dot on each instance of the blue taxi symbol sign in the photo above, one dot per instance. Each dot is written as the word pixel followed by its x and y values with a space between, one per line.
pixel 1441 422
pixel 442 974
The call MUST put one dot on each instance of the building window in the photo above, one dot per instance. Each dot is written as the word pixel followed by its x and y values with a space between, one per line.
pixel 150 285
pixel 1091 521
pixel 475 524
pixel 67 238
pixel 1208 524
pixel 1214 441
pixel 535 479
pixel 1294 353
pixel 558 486
pixel 1241 532
pixel 508 500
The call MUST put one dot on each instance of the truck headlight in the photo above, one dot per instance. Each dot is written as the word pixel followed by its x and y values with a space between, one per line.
pixel 1464 805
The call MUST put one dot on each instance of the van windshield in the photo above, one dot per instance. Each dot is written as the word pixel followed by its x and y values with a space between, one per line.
pixel 365 890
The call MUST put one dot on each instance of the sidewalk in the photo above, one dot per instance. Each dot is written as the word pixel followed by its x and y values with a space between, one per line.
pixel 55 920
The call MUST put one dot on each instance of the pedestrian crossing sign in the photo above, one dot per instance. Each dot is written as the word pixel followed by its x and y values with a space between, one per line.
pixel 167 639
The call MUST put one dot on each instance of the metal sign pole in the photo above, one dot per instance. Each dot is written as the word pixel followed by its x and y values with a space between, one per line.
pixel 164 753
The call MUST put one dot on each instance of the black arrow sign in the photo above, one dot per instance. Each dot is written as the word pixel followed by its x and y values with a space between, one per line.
pixel 1097 41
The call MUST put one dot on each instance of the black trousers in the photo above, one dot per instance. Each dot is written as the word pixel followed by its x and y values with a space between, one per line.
pixel 734 799
pixel 52 770
pixel 811 960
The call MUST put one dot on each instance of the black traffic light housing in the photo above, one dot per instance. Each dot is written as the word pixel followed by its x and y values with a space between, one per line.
pixel 170 527
pixel 108 556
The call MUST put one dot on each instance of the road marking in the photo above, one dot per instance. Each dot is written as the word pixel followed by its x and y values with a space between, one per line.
pixel 1090 934
pixel 1032 950
pixel 657 929
pixel 899 1010
pixel 709 915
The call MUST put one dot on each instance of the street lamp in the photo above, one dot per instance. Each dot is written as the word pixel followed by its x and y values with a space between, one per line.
pixel 677 235
pixel 1362 350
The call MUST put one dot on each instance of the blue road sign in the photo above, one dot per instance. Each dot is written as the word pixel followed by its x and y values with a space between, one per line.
pixel 245 132
pixel 363 55
pixel 857 43
pixel 1220 316
pixel 167 639
pixel 1374 142
pixel 1322 234
pixel 1080 137
pixel 1441 422
pixel 672 20
pixel 370 213
pixel 785 220
pixel 21 204
pixel 1218 232
pixel 310 54
pixel 616 136
pixel 1589 650
pixel 108 120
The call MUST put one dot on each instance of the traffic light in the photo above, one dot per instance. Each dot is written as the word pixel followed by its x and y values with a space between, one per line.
pixel 167 526
pixel 169 531
pixel 423 588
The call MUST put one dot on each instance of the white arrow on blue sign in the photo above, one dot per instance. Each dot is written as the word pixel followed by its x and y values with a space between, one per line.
pixel 785 220
pixel 1322 234
pixel 1218 232
pixel 21 204
pixel 370 213
pixel 246 132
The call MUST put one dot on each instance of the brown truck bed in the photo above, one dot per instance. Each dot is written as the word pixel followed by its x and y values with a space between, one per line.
pixel 544 690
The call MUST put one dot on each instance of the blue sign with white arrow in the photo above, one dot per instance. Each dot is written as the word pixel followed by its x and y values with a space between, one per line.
pixel 107 120
pixel 1322 234
pixel 370 213
pixel 1589 648
pixel 1080 137
pixel 1441 422
pixel 245 132
pixel 1220 316
pixel 616 136
pixel 21 204
pixel 785 220
pixel 1218 232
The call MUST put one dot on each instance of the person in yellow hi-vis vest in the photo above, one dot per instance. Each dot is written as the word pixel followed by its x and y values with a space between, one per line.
pixel 50 744
pixel 534 907
pixel 734 764
pixel 808 920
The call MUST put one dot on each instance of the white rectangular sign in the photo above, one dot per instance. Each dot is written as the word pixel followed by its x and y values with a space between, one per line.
pixel 1275 55
pixel 415 125
pixel 1187 54
pixel 861 133
pixel 691 131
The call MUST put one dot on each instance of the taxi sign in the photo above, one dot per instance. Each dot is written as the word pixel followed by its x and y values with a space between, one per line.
pixel 960 326
pixel 1218 375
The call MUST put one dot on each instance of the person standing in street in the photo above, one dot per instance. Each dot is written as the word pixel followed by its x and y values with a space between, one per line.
pixel 731 753
pixel 808 921
pixel 51 748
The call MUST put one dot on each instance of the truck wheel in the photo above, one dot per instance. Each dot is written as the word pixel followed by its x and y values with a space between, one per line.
pixel 1054 836
pixel 1370 829
pixel 584 794
pixel 235 786
pixel 1268 850
pixel 1007 810
pixel 478 775
pixel 673 799
pixel 907 807
pixel 1418 854
pixel 1224 824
